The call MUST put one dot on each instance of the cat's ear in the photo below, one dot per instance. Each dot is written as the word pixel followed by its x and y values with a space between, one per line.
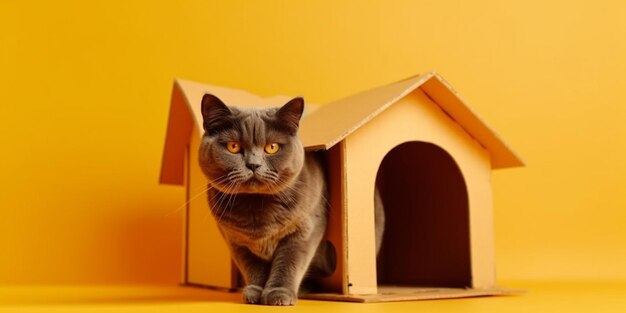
pixel 215 113
pixel 291 113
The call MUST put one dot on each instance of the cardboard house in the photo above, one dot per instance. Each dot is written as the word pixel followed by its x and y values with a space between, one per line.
pixel 429 154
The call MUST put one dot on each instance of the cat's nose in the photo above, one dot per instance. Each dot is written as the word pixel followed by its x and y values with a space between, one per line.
pixel 252 166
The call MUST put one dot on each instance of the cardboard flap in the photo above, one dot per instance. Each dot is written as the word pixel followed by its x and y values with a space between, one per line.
pixel 179 127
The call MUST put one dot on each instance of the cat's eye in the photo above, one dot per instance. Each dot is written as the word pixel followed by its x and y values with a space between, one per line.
pixel 272 148
pixel 233 147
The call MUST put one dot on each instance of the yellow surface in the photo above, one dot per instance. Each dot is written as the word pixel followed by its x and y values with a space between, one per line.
pixel 542 297
pixel 85 90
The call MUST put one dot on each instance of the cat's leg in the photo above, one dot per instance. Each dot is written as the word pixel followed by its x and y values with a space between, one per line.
pixel 255 272
pixel 291 261
pixel 324 261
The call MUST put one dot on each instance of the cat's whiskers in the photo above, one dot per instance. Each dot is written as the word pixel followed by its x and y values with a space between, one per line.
pixel 269 178
pixel 222 196
pixel 322 196
pixel 205 188
pixel 290 187
pixel 285 198
pixel 219 195
pixel 214 209
pixel 217 199
pixel 274 192
pixel 233 196
pixel 296 190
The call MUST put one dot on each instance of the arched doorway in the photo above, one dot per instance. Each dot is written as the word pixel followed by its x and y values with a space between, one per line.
pixel 426 240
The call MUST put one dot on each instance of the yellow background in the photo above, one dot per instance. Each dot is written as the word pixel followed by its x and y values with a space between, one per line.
pixel 84 91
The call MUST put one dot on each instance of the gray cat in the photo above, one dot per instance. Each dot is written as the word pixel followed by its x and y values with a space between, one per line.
pixel 268 197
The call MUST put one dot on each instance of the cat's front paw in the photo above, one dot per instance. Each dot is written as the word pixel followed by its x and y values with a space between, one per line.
pixel 252 294
pixel 278 296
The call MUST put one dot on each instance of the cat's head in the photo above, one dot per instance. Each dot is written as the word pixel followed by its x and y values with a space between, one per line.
pixel 252 150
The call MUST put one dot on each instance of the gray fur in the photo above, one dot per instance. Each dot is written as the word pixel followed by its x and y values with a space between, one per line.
pixel 273 217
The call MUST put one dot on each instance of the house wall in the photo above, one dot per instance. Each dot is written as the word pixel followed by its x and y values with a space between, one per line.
pixel 335 232
pixel 414 118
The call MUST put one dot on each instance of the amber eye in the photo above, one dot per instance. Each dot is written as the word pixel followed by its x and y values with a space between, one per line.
pixel 233 147
pixel 272 148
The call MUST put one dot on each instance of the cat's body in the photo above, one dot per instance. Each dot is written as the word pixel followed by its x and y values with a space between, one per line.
pixel 265 231
pixel 259 221
pixel 268 197
pixel 266 194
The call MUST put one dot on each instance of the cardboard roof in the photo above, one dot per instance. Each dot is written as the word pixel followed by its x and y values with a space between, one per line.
pixel 342 117
pixel 323 127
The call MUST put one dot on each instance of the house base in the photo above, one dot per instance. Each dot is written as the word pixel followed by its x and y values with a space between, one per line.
pixel 398 293
pixel 391 293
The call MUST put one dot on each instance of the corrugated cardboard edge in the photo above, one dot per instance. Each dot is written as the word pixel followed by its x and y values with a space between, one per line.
pixel 413 294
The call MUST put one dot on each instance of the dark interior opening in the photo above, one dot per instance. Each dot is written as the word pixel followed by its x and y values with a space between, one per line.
pixel 426 239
